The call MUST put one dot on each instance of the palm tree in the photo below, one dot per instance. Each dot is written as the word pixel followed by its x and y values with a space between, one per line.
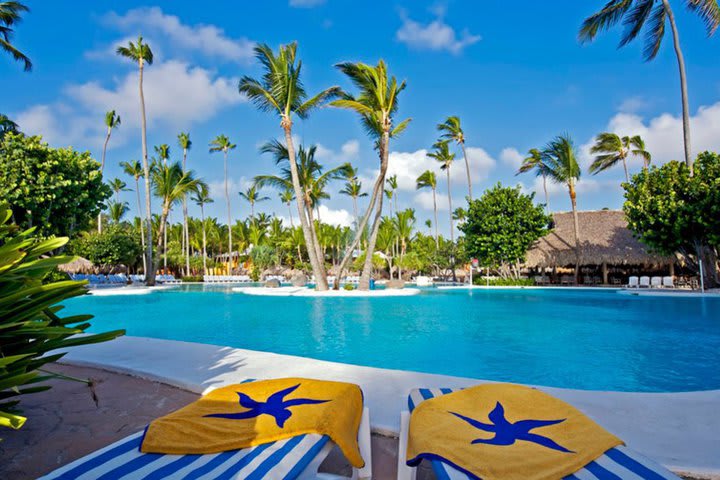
pixel 427 179
pixel 280 90
pixel 534 161
pixel 286 197
pixel 377 104
pixel 112 121
pixel 442 154
pixel 163 152
pixel 118 186
pixel 652 15
pixel 404 223
pixel 7 126
pixel 201 197
pixel 185 143
pixel 170 184
pixel 252 196
pixel 222 143
pixel 9 16
pixel 141 54
pixel 353 189
pixel 117 210
pixel 613 149
pixel 393 184
pixel 134 169
pixel 560 160
pixel 451 130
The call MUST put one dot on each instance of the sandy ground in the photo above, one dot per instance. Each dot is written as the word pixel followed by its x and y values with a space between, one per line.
pixel 64 424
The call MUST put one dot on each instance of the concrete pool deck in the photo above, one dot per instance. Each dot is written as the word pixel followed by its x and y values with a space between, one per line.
pixel 307 292
pixel 680 430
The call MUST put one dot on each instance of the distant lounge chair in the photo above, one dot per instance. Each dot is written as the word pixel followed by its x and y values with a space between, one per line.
pixel 656 282
pixel 633 282
pixel 617 463
pixel 297 457
pixel 644 282
pixel 667 282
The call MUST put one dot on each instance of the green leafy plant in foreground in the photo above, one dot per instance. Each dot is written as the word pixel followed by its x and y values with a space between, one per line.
pixel 32 334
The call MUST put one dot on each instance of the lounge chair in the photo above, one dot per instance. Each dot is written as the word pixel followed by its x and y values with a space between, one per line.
pixel 656 282
pixel 667 282
pixel 633 282
pixel 644 282
pixel 294 458
pixel 617 463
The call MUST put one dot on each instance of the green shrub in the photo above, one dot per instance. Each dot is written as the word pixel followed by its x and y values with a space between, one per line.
pixel 115 245
pixel 504 282
pixel 193 278
pixel 348 287
pixel 31 330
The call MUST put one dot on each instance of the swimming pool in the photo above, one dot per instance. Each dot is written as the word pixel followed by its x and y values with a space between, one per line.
pixel 583 339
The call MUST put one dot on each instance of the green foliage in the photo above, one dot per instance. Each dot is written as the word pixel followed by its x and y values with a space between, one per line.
pixel 263 256
pixel 193 278
pixel 349 287
pixel 378 262
pixel 670 211
pixel 115 245
pixel 58 190
pixel 31 330
pixel 504 282
pixel 502 225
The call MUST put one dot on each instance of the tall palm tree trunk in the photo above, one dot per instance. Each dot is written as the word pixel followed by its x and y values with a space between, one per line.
pixel 437 235
pixel 142 229
pixel 317 268
pixel 683 86
pixel 311 219
pixel 202 219
pixel 547 198
pixel 229 214
pixel 186 226
pixel 369 252
pixel 355 211
pixel 347 255
pixel 467 169
pixel 165 250
pixel 627 176
pixel 150 274
pixel 290 214
pixel 576 228
pixel 102 170
pixel 162 231
pixel 452 226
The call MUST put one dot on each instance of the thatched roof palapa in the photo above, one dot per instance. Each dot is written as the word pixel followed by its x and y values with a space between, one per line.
pixel 604 238
pixel 79 265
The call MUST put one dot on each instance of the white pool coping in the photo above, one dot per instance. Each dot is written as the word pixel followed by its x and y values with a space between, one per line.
pixel 308 292
pixel 680 430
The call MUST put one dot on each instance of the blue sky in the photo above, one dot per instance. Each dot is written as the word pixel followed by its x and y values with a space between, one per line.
pixel 516 77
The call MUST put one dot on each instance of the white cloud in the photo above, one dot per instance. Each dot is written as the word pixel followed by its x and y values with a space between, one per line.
pixel 436 35
pixel 348 152
pixel 340 217
pixel 424 199
pixel 306 3
pixel 207 39
pixel 633 104
pixel 235 186
pixel 175 94
pixel 510 156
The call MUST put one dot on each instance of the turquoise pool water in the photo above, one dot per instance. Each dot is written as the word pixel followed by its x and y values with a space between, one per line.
pixel 596 340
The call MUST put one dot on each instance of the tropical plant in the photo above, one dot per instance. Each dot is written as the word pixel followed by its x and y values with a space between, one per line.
pixel 117 210
pixel 252 196
pixel 116 245
pixel 652 16
pixel 112 121
pixel 58 190
pixel 118 186
pixel 33 332
pixel 222 143
pixel 403 225
pixel 442 154
pixel 376 104
pixel 534 162
pixel 501 227
pixel 672 212
pixel 7 126
pixel 140 53
pixel 201 197
pixel 171 184
pixel 451 130
pixel 280 90
pixel 163 152
pixel 392 183
pixel 10 12
pixel 185 144
pixel 427 179
pixel 135 170
pixel 611 149
pixel 286 197
pixel 353 189
pixel 561 166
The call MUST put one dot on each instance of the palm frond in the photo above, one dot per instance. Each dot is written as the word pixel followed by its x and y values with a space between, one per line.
pixel 609 16
pixel 709 12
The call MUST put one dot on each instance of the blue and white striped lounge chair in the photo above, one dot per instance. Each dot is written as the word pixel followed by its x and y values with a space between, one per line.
pixel 619 463
pixel 294 458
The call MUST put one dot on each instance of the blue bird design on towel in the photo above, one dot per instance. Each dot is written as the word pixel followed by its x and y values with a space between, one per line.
pixel 275 406
pixel 507 433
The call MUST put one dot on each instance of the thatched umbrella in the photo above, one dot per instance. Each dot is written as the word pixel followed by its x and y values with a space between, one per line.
pixel 604 239
pixel 78 265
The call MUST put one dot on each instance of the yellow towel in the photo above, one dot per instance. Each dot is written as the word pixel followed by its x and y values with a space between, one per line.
pixel 248 414
pixel 506 432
